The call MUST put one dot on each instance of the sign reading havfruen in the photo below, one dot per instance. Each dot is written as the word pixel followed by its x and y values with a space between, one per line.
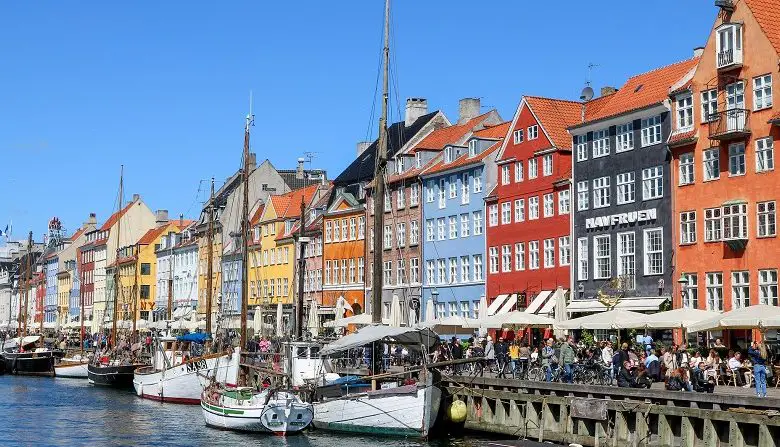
pixel 621 219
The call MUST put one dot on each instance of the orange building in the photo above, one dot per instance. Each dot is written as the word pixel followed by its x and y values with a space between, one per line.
pixel 344 252
pixel 725 126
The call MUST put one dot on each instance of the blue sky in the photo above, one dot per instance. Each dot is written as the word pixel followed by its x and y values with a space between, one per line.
pixel 162 87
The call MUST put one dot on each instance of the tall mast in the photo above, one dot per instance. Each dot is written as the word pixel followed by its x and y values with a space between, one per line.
pixel 136 294
pixel 116 266
pixel 170 278
pixel 81 303
pixel 379 182
pixel 245 231
pixel 301 271
pixel 43 298
pixel 210 258
pixel 27 277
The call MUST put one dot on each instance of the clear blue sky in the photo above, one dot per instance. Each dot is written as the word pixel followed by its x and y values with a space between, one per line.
pixel 162 87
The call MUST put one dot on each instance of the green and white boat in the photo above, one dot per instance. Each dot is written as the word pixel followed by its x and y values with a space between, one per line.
pixel 244 409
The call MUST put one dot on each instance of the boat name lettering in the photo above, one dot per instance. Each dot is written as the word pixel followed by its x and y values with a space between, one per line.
pixel 196 365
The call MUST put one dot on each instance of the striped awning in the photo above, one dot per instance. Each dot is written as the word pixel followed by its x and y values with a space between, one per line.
pixel 497 303
pixel 538 301
pixel 508 305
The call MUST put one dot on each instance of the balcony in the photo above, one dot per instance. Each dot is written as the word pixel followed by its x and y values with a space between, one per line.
pixel 729 59
pixel 732 124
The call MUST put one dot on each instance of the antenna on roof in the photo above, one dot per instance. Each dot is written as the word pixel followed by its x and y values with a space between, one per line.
pixel 587 92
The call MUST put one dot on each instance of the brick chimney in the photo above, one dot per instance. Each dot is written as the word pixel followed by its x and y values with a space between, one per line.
pixel 415 108
pixel 607 90
pixel 91 220
pixel 299 169
pixel 468 108
pixel 362 146
pixel 251 161
pixel 161 217
pixel 136 197
pixel 698 51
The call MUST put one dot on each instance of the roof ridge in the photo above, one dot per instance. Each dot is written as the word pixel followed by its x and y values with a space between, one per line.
pixel 663 67
pixel 553 99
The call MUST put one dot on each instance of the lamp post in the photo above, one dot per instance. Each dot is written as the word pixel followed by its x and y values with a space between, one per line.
pixel 435 300
pixel 683 282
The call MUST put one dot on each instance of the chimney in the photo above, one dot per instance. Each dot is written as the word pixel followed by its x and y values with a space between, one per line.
pixel 136 197
pixel 181 221
pixel 468 108
pixel 607 90
pixel 362 146
pixel 162 217
pixel 251 162
pixel 299 169
pixel 91 220
pixel 415 108
pixel 698 51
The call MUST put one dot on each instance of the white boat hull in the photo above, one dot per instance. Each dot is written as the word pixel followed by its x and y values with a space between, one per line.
pixel 72 370
pixel 409 411
pixel 284 414
pixel 184 383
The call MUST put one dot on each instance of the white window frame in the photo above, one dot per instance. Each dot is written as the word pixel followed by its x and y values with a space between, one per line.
pixel 602 257
pixel 453 227
pixel 735 221
pixel 626 187
pixel 477 181
pixel 478 225
pixel 653 183
pixel 709 105
pixel 414 194
pixel 601 192
pixel 533 255
pixel 533 165
pixel 762 92
pixel 429 193
pixel 600 143
pixel 505 174
pixel 493 260
pixel 533 208
pixel 493 215
pixel 740 289
pixel 429 230
pixel 564 202
pixel 624 137
pixel 687 169
pixel 581 146
pixel 549 253
pixel 517 136
pixel 506 213
pixel 549 205
pixel 737 161
pixel 651 130
pixel 583 255
pixel 519 210
pixel 414 233
pixel 465 197
pixel 477 263
pixel 506 258
pixel 533 132
pixel 465 225
pixel 711 164
pixel 564 251
pixel 767 287
pixel 583 195
pixel 518 171
pixel 714 291
pixel 442 193
pixel 713 224
pixel 626 259
pixel 765 154
pixel 684 112
pixel 649 233
pixel 519 256
pixel 766 219
pixel 440 229
pixel 547 165
pixel 687 227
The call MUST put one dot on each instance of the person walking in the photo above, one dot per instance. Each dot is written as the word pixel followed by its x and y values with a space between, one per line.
pixel 757 353
pixel 567 359
pixel 456 351
pixel 549 361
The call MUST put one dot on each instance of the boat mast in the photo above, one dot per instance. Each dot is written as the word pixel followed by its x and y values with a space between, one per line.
pixel 81 306
pixel 301 277
pixel 116 267
pixel 170 278
pixel 27 277
pixel 43 298
pixel 379 182
pixel 136 295
pixel 245 230
pixel 210 259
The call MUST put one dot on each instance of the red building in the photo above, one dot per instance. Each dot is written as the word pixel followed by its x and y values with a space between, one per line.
pixel 86 268
pixel 38 290
pixel 527 212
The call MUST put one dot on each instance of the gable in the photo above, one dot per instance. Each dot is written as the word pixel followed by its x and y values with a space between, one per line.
pixel 523 119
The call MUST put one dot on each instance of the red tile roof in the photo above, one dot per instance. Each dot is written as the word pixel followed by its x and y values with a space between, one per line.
pixel 114 217
pixel 775 119
pixel 683 137
pixel 77 234
pixel 555 116
pixel 767 14
pixel 497 131
pixel 642 90
pixel 439 138
pixel 438 164
pixel 288 205
pixel 154 233
pixel 256 217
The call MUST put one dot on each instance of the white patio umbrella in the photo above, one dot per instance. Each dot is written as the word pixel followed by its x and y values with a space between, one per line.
pixel 313 322
pixel 560 307
pixel 482 313
pixel 279 325
pixel 395 312
pixel 761 316
pixel 612 319
pixel 360 319
pixel 454 324
pixel 677 319
pixel 512 319
pixel 257 321
pixel 339 311
pixel 430 311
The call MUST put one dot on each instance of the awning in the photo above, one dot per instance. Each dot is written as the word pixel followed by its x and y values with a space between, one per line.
pixel 549 306
pixel 638 304
pixel 538 301
pixel 508 305
pixel 497 303
pixel 383 334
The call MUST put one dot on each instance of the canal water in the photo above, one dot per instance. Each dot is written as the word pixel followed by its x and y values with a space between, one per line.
pixel 71 412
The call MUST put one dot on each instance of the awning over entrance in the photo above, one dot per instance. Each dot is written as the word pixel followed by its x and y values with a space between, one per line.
pixel 508 305
pixel 496 304
pixel 636 304
pixel 538 301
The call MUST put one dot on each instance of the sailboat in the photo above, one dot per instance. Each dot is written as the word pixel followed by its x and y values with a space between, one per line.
pixel 76 366
pixel 110 370
pixel 408 409
pixel 245 408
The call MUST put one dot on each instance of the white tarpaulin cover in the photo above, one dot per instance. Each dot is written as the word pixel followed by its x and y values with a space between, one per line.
pixel 761 316
pixel 677 318
pixel 355 319
pixel 632 304
pixel 385 334
pixel 613 319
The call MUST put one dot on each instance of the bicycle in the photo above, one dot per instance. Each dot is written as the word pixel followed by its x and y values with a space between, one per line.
pixel 538 373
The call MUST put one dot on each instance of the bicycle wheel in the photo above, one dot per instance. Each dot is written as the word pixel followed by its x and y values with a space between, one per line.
pixel 536 373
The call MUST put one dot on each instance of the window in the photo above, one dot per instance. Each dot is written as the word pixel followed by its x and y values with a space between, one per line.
pixel 626 188
pixel 465 225
pixel 400 235
pixel 766 218
pixel 440 228
pixel 582 195
pixel 442 194
pixel 493 252
pixel 533 255
pixel 582 259
pixel 453 227
pixel 505 174
pixel 518 171
pixel 414 233
pixel 735 221
pixel 652 183
pixel 448 152
pixel 387 271
pixel 465 269
pixel 549 253
pixel 533 208
pixel 343 271
pixel 737 159
pixel 709 105
pixel 477 180
pixel 464 188
pixel 533 132
pixel 477 216
pixel 429 192
pixel 388 237
pixel 711 164
pixel 549 205
pixel 624 139
pixel 712 225
pixel 651 131
pixel 429 230
pixel 517 136
pixel 602 257
pixel 654 251
pixel 767 287
pixel 564 250
pixel 684 112
pixel 547 165
pixel 686 168
pixel 473 147
pixel 740 289
pixel 328 230
pixel 626 262
pixel 414 194
pixel 581 142
pixel 453 187
pixel 762 92
pixel 146 268
pixel 361 227
pixel 690 291
pixel 519 256
pixel 440 312
pixel 519 210
pixel 388 203
pixel 429 272
pixel 506 213
pixel 564 202
pixel 477 267
pixel 687 227
pixel 532 168
pixel 765 154
pixel 493 215
pixel 361 270
pixel 601 143
pixel 400 272
pixel 728 45
pixel 464 309
pixel 400 198
pixel 601 192
pixel 714 285
pixel 735 100
pixel 352 228
pixel 506 258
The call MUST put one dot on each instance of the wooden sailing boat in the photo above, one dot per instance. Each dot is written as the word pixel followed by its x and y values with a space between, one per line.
pixel 75 367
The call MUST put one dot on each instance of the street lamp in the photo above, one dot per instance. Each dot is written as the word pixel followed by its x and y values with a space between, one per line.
pixel 683 282
pixel 435 300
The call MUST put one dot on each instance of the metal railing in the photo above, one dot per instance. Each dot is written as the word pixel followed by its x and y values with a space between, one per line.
pixel 728 124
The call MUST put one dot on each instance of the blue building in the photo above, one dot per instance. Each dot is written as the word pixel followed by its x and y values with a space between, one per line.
pixel 51 267
pixel 74 296
pixel 455 187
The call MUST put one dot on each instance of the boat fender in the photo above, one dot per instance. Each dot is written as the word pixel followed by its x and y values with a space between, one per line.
pixel 457 411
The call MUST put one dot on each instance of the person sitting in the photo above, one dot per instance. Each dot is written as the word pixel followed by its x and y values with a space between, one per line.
pixel 734 364
pixel 653 365
pixel 696 359
pixel 675 381
pixel 642 379
pixel 624 377
pixel 700 382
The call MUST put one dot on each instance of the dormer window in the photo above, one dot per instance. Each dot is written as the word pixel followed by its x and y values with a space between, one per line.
pixel 728 45
pixel 288 225
pixel 418 160
pixel 449 153
pixel 473 145
pixel 684 112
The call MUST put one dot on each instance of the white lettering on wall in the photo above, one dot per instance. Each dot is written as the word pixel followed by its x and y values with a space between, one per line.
pixel 629 218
